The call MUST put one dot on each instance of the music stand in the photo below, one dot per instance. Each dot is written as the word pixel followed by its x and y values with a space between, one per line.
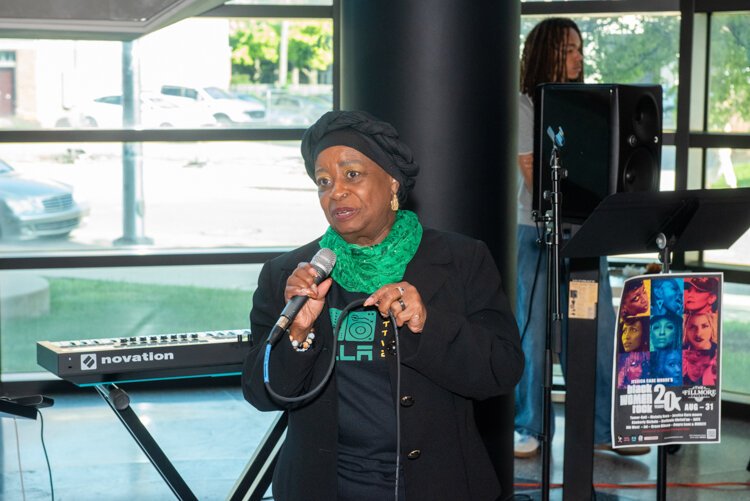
pixel 689 220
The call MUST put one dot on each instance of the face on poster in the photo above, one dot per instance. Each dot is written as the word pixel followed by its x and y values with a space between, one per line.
pixel 667 363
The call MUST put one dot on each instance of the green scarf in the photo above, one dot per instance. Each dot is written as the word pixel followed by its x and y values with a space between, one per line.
pixel 366 269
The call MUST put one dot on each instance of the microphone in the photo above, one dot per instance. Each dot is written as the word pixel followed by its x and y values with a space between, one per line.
pixel 323 262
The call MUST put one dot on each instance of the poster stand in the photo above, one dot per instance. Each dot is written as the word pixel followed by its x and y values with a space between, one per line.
pixel 665 222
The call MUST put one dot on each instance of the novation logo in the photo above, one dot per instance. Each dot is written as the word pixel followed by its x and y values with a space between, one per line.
pixel 89 360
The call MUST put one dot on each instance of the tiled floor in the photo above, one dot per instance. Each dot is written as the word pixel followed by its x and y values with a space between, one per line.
pixel 723 462
pixel 209 434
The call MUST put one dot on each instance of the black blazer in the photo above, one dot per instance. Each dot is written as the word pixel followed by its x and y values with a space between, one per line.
pixel 469 350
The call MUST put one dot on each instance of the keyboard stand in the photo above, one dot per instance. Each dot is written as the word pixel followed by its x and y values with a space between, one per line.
pixel 258 473
pixel 25 407
pixel 119 402
pixel 255 479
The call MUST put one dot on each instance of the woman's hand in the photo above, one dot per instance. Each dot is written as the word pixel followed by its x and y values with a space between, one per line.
pixel 404 301
pixel 302 283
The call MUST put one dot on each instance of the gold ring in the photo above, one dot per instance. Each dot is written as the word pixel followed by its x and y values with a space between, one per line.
pixel 401 302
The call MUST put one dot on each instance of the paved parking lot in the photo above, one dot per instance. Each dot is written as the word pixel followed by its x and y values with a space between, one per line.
pixel 202 195
pixel 194 195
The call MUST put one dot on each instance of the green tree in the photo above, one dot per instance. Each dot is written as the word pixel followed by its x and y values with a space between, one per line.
pixel 256 45
pixel 311 47
pixel 630 49
pixel 729 87
pixel 635 50
pixel 255 50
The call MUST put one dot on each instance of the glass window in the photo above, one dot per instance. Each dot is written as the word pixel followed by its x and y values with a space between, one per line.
pixel 729 73
pixel 227 76
pixel 667 174
pixel 71 197
pixel 52 83
pixel 729 168
pixel 89 303
pixel 629 49
pixel 736 342
pixel 295 85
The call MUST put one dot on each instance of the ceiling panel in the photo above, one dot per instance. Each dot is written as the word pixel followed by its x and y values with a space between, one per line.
pixel 94 19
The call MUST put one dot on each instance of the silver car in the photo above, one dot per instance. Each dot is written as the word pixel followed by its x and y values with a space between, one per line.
pixel 30 208
pixel 224 106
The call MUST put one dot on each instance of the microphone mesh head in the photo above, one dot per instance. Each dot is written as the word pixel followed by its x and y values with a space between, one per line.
pixel 324 259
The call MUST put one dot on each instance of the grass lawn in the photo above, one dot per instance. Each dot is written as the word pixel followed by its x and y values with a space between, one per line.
pixel 91 309
pixel 742 171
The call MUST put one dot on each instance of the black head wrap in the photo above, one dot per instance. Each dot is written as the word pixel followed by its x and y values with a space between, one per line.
pixel 359 130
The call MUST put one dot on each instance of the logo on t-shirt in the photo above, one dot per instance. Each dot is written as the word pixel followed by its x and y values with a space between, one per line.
pixel 357 327
pixel 356 336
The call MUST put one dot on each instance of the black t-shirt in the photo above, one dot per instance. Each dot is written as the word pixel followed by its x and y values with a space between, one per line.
pixel 367 414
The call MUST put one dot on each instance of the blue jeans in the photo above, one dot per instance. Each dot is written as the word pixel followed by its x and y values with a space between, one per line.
pixel 532 320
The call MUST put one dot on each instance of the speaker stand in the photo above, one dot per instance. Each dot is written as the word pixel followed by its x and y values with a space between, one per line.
pixel 553 334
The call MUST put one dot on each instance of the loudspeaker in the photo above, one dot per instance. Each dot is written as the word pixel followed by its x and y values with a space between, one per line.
pixel 612 142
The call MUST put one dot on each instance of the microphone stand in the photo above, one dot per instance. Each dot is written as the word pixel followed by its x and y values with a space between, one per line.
pixel 664 244
pixel 553 338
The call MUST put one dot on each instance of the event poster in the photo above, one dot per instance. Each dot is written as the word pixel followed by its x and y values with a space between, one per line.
pixel 667 367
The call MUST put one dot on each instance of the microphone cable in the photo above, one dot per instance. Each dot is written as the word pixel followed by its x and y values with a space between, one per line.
pixel 398 401
pixel 313 392
pixel 46 457
pixel 541 250
pixel 316 390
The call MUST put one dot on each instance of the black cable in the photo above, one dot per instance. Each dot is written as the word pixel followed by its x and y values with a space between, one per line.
pixel 398 399
pixel 46 457
pixel 533 283
pixel 314 391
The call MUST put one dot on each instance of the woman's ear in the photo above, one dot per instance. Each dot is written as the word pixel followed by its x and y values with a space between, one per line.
pixel 394 186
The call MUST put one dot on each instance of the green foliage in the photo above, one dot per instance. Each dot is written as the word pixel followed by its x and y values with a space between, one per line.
pixel 644 48
pixel 729 71
pixel 742 171
pixel 630 49
pixel 255 49
pixel 92 309
pixel 256 44
pixel 311 45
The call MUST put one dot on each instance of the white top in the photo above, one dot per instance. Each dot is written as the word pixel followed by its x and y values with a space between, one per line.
pixel 525 147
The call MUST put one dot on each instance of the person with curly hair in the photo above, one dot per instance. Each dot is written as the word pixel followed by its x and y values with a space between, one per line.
pixel 552 53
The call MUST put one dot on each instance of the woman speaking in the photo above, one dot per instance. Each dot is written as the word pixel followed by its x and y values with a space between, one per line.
pixel 417 322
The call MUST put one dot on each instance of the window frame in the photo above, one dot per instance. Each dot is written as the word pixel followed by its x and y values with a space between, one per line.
pixel 139 257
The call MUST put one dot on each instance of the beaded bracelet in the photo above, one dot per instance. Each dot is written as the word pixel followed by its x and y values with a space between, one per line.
pixel 304 345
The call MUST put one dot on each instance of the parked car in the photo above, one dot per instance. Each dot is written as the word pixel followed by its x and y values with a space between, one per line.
pixel 289 109
pixel 156 111
pixel 225 107
pixel 31 208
